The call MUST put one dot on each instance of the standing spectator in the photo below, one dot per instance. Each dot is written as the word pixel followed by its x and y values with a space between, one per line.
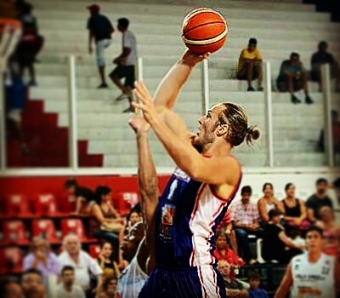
pixel 293 77
pixel 67 288
pixel 32 284
pixel 245 217
pixel 42 258
pixel 321 57
pixel 100 29
pixel 108 288
pixel 276 245
pixel 335 134
pixel 254 291
pixel 234 288
pixel 30 44
pixel 250 65
pixel 85 197
pixel 295 213
pixel 268 202
pixel 125 63
pixel 318 200
pixel 106 261
pixel 329 227
pixel 81 261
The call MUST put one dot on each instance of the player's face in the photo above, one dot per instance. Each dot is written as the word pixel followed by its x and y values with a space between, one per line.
pixel 68 277
pixel 107 250
pixel 314 241
pixel 245 197
pixel 221 242
pixel 33 286
pixel 291 191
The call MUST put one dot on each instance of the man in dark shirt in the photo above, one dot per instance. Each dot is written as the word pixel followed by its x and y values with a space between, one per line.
pixel 318 200
pixel 100 29
pixel 323 57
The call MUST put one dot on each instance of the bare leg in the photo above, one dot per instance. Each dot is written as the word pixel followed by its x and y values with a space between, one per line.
pixel 290 78
pixel 304 84
pixel 116 80
pixel 101 70
pixel 260 72
pixel 249 73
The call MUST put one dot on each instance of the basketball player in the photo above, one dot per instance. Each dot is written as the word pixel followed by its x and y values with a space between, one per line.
pixel 134 276
pixel 312 274
pixel 200 190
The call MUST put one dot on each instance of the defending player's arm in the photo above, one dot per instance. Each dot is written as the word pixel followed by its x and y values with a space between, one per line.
pixel 286 283
pixel 182 152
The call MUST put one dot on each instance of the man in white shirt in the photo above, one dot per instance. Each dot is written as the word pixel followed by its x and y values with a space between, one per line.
pixel 67 289
pixel 125 64
pixel 81 261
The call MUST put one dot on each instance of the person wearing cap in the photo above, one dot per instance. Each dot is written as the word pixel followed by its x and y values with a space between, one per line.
pixel 100 30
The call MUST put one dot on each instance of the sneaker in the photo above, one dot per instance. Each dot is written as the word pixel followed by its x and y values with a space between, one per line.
pixel 308 100
pixel 32 83
pixel 260 89
pixel 102 86
pixel 295 100
pixel 251 88
pixel 129 110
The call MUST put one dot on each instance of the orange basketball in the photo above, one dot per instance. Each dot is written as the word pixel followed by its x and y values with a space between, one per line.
pixel 204 30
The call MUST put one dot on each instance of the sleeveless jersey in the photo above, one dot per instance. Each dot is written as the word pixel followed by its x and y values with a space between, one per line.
pixel 132 280
pixel 186 219
pixel 313 280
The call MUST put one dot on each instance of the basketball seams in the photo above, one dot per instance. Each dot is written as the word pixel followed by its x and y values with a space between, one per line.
pixel 201 25
pixel 212 40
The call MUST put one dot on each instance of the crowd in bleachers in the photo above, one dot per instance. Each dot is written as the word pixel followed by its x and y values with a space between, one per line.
pixel 51 244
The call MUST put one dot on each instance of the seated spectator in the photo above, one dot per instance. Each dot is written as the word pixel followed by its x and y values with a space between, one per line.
pixel 30 44
pixel 224 252
pixel 268 202
pixel 276 244
pixel 295 213
pixel 10 288
pixel 108 288
pixel 106 261
pixel 133 217
pixel 32 284
pixel 254 291
pixel 85 197
pixel 293 77
pixel 318 200
pixel 81 261
pixel 335 134
pixel 67 288
pixel 42 258
pixel 321 57
pixel 250 65
pixel 245 218
pixel 234 288
pixel 226 227
pixel 106 222
pixel 329 228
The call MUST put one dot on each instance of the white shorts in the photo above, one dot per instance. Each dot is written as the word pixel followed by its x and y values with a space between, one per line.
pixel 100 47
pixel 15 115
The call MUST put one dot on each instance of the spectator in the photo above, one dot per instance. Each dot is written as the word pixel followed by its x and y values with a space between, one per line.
pixel 224 252
pixel 32 284
pixel 295 213
pixel 30 44
pixel 318 200
pixel 10 288
pixel 81 261
pixel 226 226
pixel 321 57
pixel 106 261
pixel 335 134
pixel 268 202
pixel 108 288
pixel 125 63
pixel 100 29
pixel 245 217
pixel 329 228
pixel 67 288
pixel 293 77
pixel 276 245
pixel 234 288
pixel 254 291
pixel 295 235
pixel 85 197
pixel 132 219
pixel 106 223
pixel 42 258
pixel 250 65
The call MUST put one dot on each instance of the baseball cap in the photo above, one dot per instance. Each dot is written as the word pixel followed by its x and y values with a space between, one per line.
pixel 93 7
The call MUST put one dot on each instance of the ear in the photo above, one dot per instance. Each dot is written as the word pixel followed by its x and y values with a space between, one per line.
pixel 222 130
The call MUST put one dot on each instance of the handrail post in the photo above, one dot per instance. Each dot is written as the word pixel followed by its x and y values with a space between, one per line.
pixel 269 113
pixel 205 87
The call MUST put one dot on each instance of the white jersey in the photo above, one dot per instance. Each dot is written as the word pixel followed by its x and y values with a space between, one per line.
pixel 313 280
pixel 132 280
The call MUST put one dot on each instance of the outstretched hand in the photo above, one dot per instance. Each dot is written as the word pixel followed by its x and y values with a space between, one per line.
pixel 139 124
pixel 190 58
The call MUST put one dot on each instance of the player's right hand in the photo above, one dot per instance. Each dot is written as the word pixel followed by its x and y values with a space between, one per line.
pixel 139 124
pixel 191 58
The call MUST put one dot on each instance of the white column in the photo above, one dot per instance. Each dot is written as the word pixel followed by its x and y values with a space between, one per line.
pixel 205 87
pixel 269 113
pixel 72 114
pixel 328 135
pixel 140 69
